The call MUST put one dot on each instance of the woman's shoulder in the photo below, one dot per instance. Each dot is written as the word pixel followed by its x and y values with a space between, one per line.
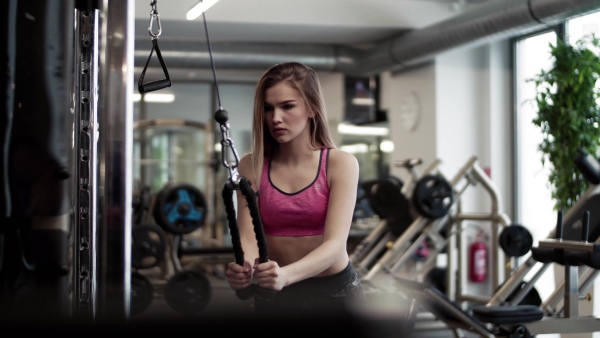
pixel 246 159
pixel 245 165
pixel 340 158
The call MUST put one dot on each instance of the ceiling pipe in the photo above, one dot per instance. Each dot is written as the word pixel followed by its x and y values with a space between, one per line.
pixel 492 20
pixel 251 55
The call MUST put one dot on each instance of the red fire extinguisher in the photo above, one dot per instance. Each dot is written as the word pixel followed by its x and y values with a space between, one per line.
pixel 478 259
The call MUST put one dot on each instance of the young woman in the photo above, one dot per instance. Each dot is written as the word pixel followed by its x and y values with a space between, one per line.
pixel 306 196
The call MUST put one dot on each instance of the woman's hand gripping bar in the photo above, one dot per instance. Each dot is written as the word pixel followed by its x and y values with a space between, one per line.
pixel 250 196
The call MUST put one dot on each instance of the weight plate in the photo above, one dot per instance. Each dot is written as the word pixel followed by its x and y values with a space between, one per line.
pixel 433 196
pixel 388 202
pixel 188 292
pixel 148 245
pixel 180 208
pixel 515 240
pixel 383 195
pixel 436 277
pixel 141 201
pixel 531 298
pixel 142 293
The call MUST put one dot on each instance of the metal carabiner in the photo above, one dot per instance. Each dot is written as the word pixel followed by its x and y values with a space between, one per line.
pixel 154 14
pixel 227 143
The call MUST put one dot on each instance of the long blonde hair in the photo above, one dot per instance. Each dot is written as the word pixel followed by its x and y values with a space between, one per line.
pixel 306 81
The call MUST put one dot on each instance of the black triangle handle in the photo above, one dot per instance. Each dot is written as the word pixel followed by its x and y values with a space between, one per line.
pixel 158 84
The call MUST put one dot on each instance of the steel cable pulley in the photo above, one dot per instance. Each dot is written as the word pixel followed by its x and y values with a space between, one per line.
pixel 236 182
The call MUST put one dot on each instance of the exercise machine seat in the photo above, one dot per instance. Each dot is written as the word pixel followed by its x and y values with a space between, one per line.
pixel 504 314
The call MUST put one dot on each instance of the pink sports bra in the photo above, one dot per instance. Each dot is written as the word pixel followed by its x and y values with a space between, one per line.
pixel 294 214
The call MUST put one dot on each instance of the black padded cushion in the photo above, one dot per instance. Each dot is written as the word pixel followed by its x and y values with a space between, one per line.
pixel 504 314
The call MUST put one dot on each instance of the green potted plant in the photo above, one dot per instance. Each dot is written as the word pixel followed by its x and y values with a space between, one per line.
pixel 568 114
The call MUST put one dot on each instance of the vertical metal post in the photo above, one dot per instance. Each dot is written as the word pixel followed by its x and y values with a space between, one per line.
pixel 85 164
pixel 144 153
pixel 115 157
pixel 7 99
pixel 571 298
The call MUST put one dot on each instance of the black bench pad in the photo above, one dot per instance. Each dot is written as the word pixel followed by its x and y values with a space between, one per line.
pixel 504 314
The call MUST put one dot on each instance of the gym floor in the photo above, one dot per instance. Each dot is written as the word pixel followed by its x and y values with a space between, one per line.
pixel 385 317
pixel 214 297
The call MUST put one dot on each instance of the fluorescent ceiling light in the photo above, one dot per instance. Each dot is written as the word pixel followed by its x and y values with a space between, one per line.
pixel 344 128
pixel 363 101
pixel 386 146
pixel 154 97
pixel 359 148
pixel 199 8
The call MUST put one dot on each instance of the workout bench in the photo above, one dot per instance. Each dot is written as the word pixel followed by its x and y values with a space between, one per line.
pixel 571 254
pixel 515 289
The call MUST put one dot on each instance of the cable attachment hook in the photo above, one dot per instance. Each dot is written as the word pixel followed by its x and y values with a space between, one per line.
pixel 153 15
pixel 221 116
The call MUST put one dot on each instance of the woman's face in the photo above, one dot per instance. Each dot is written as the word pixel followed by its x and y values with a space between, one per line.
pixel 286 113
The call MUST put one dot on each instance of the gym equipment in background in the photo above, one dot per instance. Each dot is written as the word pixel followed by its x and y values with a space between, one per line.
pixel 180 208
pixel 148 245
pixel 571 254
pixel 436 232
pixel 432 196
pixel 391 202
pixel 188 291
pixel 142 293
pixel 516 308
pixel 571 225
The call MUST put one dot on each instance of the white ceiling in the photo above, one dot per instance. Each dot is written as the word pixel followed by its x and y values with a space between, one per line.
pixel 328 34
pixel 342 22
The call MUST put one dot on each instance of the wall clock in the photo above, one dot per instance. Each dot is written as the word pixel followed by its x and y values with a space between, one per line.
pixel 410 111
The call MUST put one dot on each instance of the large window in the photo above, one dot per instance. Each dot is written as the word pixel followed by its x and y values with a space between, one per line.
pixel 535 207
pixel 532 55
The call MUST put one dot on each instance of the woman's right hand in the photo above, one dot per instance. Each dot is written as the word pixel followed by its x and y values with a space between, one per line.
pixel 239 277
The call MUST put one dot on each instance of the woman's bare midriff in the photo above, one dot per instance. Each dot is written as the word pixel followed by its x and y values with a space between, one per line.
pixel 286 250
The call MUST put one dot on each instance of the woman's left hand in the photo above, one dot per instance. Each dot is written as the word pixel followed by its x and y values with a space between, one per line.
pixel 269 275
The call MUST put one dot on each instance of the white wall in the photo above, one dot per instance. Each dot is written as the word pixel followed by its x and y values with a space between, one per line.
pixel 474 100
pixel 421 141
pixel 332 85
pixel 465 111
